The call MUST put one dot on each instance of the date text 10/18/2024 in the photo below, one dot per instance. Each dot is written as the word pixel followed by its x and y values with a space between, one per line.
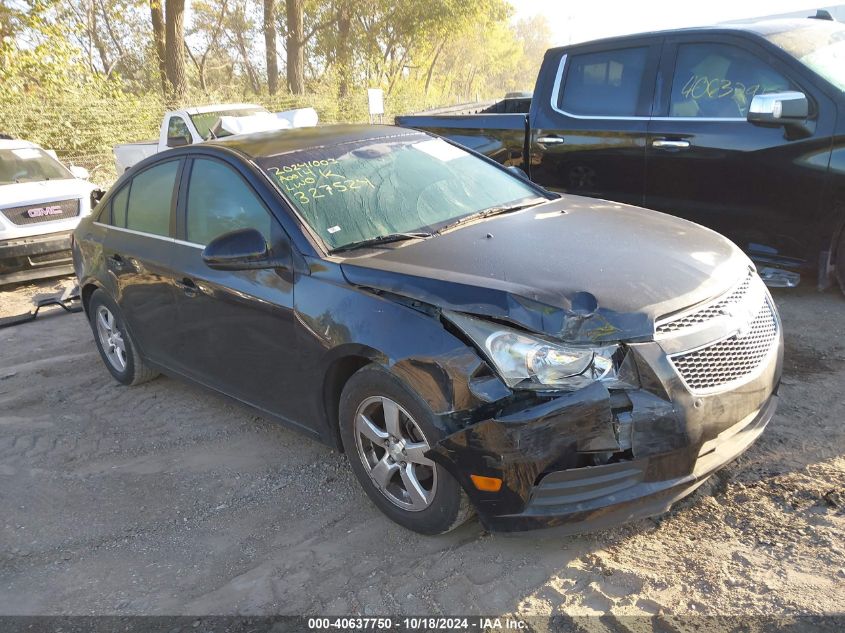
pixel 421 623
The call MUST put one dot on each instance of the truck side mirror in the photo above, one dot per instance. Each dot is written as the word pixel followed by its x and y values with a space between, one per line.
pixel 779 108
pixel 96 196
pixel 178 141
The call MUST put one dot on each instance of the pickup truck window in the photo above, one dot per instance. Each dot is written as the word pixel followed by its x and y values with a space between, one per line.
pixel 820 47
pixel 178 130
pixel 151 199
pixel 408 183
pixel 604 84
pixel 719 80
pixel 220 201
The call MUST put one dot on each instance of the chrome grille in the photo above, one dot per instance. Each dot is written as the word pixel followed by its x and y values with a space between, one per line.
pixel 732 358
pixel 42 212
pixel 709 312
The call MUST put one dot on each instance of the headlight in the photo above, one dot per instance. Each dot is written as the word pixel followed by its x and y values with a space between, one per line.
pixel 525 361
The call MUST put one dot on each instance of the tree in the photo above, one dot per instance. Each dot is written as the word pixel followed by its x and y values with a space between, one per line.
pixel 295 46
pixel 343 52
pixel 157 17
pixel 270 50
pixel 208 25
pixel 241 29
pixel 174 32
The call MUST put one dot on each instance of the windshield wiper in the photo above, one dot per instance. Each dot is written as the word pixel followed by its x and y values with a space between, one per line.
pixel 491 211
pixel 381 239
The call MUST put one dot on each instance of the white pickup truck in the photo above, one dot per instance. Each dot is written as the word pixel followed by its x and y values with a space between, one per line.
pixel 198 124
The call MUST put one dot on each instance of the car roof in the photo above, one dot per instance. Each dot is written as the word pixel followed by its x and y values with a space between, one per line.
pixel 264 144
pixel 15 144
pixel 762 28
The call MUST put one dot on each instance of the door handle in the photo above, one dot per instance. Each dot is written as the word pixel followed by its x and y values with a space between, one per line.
pixel 665 143
pixel 550 140
pixel 187 286
pixel 116 258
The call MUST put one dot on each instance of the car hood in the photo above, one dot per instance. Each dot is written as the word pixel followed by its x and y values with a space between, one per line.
pixel 580 269
pixel 21 193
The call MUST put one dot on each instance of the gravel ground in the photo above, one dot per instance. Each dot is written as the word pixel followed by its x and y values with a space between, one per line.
pixel 169 499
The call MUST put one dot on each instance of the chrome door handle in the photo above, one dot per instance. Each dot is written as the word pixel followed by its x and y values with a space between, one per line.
pixel 550 140
pixel 667 144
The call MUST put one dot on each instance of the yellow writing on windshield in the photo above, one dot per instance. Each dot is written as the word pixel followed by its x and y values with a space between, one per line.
pixel 312 180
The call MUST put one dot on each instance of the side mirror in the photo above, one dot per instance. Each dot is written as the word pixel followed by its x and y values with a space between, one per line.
pixel 244 249
pixel 178 141
pixel 779 108
pixel 79 172
pixel 96 196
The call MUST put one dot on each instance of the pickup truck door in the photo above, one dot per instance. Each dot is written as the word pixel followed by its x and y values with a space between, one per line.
pixel 760 186
pixel 590 116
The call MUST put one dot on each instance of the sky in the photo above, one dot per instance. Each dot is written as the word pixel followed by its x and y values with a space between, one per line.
pixel 581 20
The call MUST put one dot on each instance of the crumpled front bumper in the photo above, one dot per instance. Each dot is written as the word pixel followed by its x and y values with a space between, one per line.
pixel 35 257
pixel 594 458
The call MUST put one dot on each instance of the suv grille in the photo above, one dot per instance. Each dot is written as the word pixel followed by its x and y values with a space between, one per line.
pixel 732 358
pixel 42 212
pixel 708 312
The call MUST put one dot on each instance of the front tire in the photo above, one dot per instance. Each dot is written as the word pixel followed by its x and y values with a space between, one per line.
pixel 117 349
pixel 386 430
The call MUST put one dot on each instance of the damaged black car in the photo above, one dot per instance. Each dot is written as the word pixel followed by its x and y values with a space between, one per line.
pixel 474 343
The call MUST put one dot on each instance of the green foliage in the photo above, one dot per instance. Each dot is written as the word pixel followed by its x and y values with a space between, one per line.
pixel 80 77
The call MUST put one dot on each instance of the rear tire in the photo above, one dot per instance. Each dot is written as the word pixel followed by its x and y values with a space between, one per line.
pixel 385 428
pixel 117 349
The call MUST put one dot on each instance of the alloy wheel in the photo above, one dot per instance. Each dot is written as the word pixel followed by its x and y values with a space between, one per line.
pixel 392 448
pixel 110 338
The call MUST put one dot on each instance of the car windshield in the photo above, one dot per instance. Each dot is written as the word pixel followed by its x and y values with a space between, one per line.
pixel 29 164
pixel 361 190
pixel 821 47
pixel 204 121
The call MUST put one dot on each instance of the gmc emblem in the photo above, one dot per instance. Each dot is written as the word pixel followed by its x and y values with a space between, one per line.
pixel 40 212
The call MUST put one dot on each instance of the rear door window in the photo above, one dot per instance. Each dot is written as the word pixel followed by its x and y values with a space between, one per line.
pixel 220 201
pixel 151 199
pixel 607 83
pixel 715 80
pixel 118 207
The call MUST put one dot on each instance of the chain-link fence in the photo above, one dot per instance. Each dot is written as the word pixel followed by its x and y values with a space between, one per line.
pixel 84 129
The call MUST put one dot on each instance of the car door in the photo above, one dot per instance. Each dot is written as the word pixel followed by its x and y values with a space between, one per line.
pixel 590 138
pixel 236 328
pixel 138 252
pixel 760 186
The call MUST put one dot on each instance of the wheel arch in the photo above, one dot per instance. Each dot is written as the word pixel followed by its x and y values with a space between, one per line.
pixel 337 374
pixel 85 292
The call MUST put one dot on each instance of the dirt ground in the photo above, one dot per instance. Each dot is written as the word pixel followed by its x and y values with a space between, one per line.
pixel 169 499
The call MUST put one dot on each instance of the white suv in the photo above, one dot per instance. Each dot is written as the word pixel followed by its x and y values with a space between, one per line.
pixel 41 202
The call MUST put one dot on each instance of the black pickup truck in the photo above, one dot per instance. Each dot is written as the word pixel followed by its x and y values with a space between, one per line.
pixel 740 128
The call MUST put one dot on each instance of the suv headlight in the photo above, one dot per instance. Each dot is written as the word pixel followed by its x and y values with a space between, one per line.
pixel 527 361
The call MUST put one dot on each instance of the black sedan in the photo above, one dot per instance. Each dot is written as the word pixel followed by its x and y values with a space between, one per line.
pixel 473 342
